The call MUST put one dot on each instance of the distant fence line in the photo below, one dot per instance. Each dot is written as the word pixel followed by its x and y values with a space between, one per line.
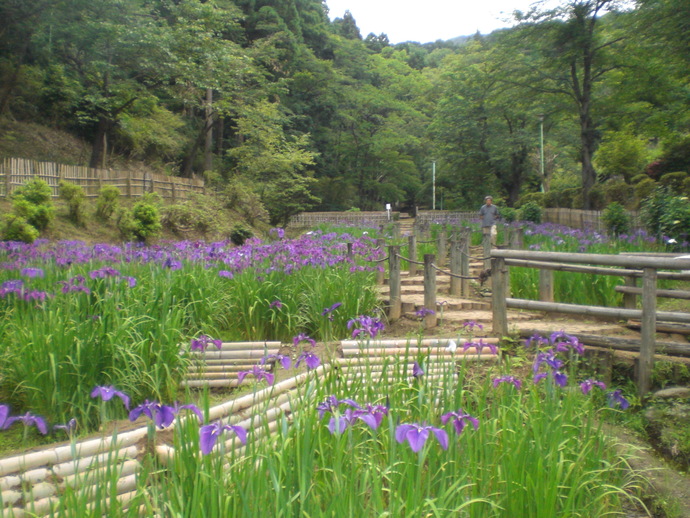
pixel 573 218
pixel 15 172
pixel 310 219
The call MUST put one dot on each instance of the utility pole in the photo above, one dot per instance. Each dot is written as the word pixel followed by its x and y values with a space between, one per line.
pixel 541 150
pixel 433 185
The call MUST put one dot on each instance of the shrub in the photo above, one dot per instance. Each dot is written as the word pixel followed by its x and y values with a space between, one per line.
pixel 74 195
pixel 618 191
pixel 125 223
pixel 638 178
pixel 189 215
pixel 240 196
pixel 616 219
pixel 644 189
pixel 674 181
pixel 239 234
pixel 107 202
pixel 666 215
pixel 530 211
pixel 534 197
pixel 147 220
pixel 508 214
pixel 33 202
pixel 16 228
pixel 686 186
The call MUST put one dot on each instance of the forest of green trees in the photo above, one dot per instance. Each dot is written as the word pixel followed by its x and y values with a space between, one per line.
pixel 271 99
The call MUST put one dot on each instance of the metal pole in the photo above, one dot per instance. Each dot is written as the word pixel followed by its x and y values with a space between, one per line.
pixel 541 149
pixel 433 185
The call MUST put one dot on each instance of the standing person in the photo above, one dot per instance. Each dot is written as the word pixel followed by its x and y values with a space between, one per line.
pixel 489 214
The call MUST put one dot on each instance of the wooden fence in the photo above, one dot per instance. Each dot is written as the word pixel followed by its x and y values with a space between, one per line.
pixel 310 219
pixel 15 172
pixel 633 267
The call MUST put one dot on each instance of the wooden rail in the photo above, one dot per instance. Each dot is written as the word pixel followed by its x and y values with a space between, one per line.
pixel 632 267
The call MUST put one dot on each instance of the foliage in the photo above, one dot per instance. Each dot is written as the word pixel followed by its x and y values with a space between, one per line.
pixel 33 202
pixel 288 197
pixel 198 213
pixel 146 219
pixel 666 215
pixel 107 202
pixel 75 196
pixel 530 211
pixel 532 197
pixel 16 228
pixel 618 192
pixel 674 181
pixel 508 214
pixel 621 154
pixel 616 219
pixel 240 196
pixel 644 188
pixel 239 234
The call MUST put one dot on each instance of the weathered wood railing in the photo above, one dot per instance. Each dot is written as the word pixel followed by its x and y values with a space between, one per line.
pixel 629 266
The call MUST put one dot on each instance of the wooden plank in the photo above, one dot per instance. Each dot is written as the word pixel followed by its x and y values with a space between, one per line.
pixel 647 332
pixel 395 309
pixel 600 259
pixel 430 290
pixel 498 297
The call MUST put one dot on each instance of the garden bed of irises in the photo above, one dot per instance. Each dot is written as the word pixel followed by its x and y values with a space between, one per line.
pixel 74 316
pixel 394 442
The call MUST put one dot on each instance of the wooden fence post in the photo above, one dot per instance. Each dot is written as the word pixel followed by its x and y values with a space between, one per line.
pixel 412 254
pixel 350 252
pixel 380 270
pixel 545 285
pixel 429 290
pixel 455 267
pixel 395 302
pixel 465 262
pixel 441 247
pixel 486 245
pixel 630 299
pixel 647 332
pixel 498 297
pixel 517 238
pixel 129 184
pixel 7 166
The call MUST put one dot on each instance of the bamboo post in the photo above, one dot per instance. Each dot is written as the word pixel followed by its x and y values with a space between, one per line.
pixel 395 302
pixel 441 247
pixel 412 254
pixel 546 285
pixel 380 271
pixel 465 262
pixel 630 299
pixel 647 332
pixel 498 297
pixel 429 290
pixel 455 267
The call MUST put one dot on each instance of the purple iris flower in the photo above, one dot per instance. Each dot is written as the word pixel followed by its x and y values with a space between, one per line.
pixel 423 312
pixel 507 379
pixel 547 358
pixel 540 376
pixel 12 286
pixel 107 393
pixel 32 273
pixel 258 373
pixel 131 281
pixel 329 311
pixel 332 403
pixel 75 284
pixel 276 304
pixel 226 274
pixel 367 325
pixel 417 434
pixel 208 435
pixel 537 340
pixel 471 324
pixel 4 413
pixel 69 427
pixel 562 342
pixel 310 359
pixel 560 378
pixel 29 420
pixel 417 370
pixel 616 398
pixel 172 264
pixel 303 338
pixel 373 415
pixel 278 232
pixel 460 419
pixel 102 273
pixel 283 359
pixel 589 384
pixel 162 415
pixel 339 423
pixel 202 343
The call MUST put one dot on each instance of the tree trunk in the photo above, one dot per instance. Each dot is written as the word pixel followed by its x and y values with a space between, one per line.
pixel 98 153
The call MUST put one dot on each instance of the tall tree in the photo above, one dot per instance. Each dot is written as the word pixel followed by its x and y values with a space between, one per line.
pixel 568 51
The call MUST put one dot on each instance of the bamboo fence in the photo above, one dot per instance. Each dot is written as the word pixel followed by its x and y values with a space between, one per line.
pixel 15 172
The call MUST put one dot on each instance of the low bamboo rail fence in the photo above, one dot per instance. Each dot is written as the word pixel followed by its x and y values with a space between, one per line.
pixel 311 219
pixel 15 172
pixel 632 267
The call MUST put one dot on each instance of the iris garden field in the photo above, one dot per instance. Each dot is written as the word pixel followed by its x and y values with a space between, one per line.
pixel 96 333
